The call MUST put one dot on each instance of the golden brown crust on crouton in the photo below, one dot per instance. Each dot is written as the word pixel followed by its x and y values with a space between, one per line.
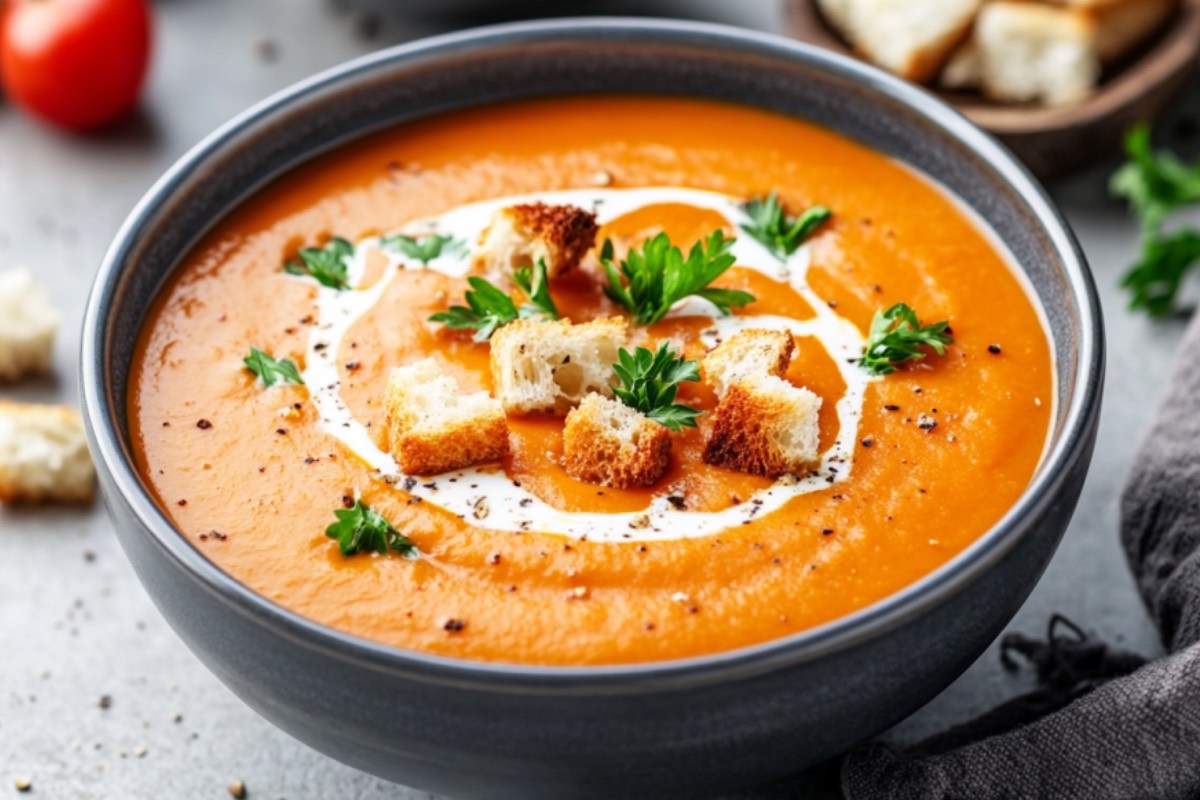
pixel 764 427
pixel 750 353
pixel 521 235
pixel 433 427
pixel 43 455
pixel 607 443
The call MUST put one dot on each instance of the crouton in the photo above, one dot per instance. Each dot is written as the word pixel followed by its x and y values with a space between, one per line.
pixel 1121 25
pixel 433 427
pixel 765 426
pixel 552 366
pixel 43 455
pixel 1037 53
pixel 608 443
pixel 751 353
pixel 912 40
pixel 522 235
pixel 27 325
pixel 964 70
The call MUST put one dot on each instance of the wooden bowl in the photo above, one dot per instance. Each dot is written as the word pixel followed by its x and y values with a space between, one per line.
pixel 1053 141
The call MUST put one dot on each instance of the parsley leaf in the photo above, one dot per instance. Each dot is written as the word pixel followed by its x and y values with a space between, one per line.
pixel 1154 281
pixel 650 381
pixel 423 250
pixel 778 232
pixel 536 286
pixel 657 276
pixel 272 370
pixel 896 336
pixel 326 265
pixel 1157 184
pixel 486 310
pixel 362 529
pixel 489 308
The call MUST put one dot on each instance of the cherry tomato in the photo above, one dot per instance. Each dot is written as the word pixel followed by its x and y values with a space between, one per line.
pixel 75 63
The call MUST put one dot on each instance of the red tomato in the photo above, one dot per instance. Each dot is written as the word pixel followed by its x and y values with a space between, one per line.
pixel 76 63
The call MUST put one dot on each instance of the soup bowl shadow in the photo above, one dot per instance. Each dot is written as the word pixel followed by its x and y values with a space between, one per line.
pixel 691 727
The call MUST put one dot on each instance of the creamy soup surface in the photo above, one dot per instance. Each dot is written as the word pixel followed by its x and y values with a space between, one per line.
pixel 519 562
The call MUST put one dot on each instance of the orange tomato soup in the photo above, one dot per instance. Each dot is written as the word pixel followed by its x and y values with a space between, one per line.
pixel 251 479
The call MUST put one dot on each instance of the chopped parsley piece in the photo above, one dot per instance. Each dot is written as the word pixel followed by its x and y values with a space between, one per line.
pixel 362 529
pixel 425 249
pixel 326 265
pixel 1156 185
pixel 778 232
pixel 897 336
pixel 650 381
pixel 657 276
pixel 536 286
pixel 489 308
pixel 272 370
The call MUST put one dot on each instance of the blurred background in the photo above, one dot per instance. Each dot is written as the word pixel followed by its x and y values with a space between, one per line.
pixel 99 699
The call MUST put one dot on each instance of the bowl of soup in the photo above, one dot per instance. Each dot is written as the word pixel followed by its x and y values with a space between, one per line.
pixel 312 380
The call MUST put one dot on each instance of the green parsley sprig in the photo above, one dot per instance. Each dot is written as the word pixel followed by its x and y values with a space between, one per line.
pixel 326 265
pixel 362 529
pixel 489 308
pixel 652 279
pixel 649 382
pixel 425 249
pixel 897 336
pixel 779 233
pixel 1156 185
pixel 272 370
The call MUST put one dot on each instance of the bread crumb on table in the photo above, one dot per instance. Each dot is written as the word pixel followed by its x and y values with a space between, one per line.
pixel 28 324
pixel 43 455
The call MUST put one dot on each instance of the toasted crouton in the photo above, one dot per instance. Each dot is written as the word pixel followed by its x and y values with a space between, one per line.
pixel 43 455
pixel 433 427
pixel 911 39
pixel 751 353
pixel 609 443
pixel 765 426
pixel 1037 53
pixel 552 366
pixel 522 235
pixel 27 325
pixel 1121 25
pixel 964 70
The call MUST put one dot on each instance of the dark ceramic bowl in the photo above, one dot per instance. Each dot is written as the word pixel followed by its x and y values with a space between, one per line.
pixel 692 727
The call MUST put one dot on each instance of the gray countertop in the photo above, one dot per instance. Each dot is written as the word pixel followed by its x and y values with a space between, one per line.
pixel 75 625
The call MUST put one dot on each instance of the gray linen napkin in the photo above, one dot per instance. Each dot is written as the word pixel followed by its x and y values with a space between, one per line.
pixel 1103 725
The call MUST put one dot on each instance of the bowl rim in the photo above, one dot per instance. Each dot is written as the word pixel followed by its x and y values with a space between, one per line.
pixel 1080 408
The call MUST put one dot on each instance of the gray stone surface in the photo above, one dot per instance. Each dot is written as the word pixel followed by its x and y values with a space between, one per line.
pixel 76 626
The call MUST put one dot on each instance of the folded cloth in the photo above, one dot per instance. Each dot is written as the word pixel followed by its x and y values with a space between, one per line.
pixel 1103 725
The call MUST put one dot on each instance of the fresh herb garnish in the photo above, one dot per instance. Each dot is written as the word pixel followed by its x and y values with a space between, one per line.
pixel 425 249
pixel 778 232
pixel 649 382
pixel 326 265
pixel 488 308
pixel 1155 280
pixel 897 336
pixel 1157 184
pixel 657 276
pixel 536 286
pixel 272 370
pixel 362 529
